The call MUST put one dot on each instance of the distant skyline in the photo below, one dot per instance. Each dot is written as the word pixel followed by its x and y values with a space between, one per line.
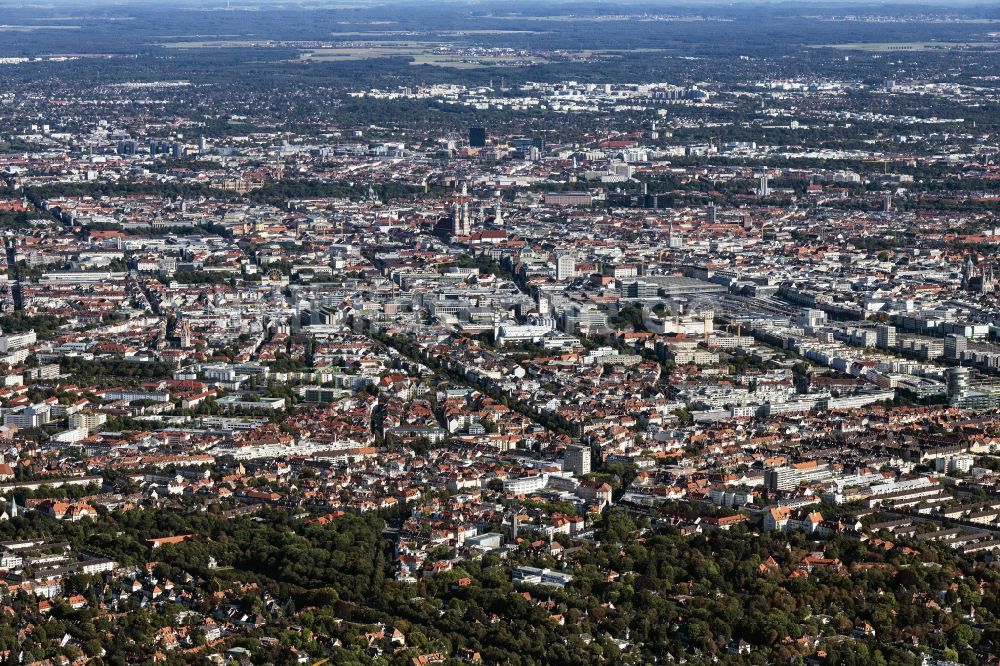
pixel 588 5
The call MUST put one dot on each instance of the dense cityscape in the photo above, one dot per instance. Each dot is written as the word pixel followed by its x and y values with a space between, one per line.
pixel 499 333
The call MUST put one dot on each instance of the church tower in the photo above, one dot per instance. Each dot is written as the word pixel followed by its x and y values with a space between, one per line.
pixel 461 219
pixel 968 270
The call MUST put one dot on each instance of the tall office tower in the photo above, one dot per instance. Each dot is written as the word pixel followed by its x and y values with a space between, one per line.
pixel 958 383
pixel 764 190
pixel 565 266
pixel 477 137
pixel 543 304
pixel 885 336
pixel 712 213
pixel 577 460
pixel 954 346
pixel 887 202
pixel 127 147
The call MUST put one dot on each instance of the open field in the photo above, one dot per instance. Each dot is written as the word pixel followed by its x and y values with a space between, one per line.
pixel 436 53
pixel 33 28
pixel 613 18
pixel 371 51
pixel 460 33
pixel 889 47
pixel 233 41
pixel 221 44
pixel 470 62
pixel 422 53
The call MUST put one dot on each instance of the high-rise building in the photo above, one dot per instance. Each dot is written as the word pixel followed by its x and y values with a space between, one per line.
pixel 954 346
pixel 958 383
pixel 764 190
pixel 885 336
pixel 712 214
pixel 812 318
pixel 565 266
pixel 128 147
pixel 477 137
pixel 577 460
